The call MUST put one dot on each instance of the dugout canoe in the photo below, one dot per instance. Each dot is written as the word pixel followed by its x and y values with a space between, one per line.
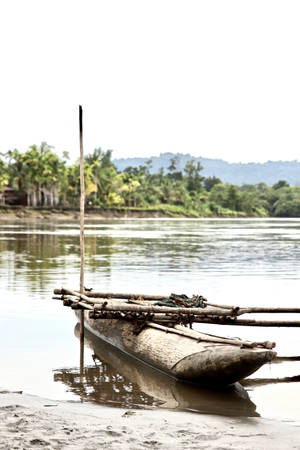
pixel 181 357
pixel 118 379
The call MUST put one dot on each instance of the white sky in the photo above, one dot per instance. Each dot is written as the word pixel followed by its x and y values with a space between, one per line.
pixel 215 78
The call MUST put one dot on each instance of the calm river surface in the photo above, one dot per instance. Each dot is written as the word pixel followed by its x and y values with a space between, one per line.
pixel 242 262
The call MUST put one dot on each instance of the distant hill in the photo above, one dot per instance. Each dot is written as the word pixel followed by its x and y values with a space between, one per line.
pixel 235 173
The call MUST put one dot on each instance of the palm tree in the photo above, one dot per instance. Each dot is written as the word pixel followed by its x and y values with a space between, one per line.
pixel 41 157
pixel 102 175
pixel 16 170
pixel 3 180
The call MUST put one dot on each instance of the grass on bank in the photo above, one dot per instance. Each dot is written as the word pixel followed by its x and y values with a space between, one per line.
pixel 170 210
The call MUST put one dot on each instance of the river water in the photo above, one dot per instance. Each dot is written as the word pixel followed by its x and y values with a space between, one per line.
pixel 253 262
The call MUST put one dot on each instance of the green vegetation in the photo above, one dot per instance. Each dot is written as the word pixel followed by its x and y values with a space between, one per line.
pixel 41 179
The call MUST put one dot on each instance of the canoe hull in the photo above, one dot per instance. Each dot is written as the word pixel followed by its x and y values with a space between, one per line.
pixel 115 371
pixel 179 356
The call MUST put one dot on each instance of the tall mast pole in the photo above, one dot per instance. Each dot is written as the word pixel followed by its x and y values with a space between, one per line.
pixel 82 201
pixel 82 198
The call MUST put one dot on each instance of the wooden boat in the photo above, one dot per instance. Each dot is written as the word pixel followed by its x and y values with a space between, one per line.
pixel 190 356
pixel 118 379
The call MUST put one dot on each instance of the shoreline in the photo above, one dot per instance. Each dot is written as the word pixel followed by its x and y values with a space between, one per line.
pixel 29 421
pixel 21 213
pixel 24 213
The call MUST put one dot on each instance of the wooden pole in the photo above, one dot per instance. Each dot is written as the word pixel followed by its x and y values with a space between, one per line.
pixel 249 323
pixel 82 199
pixel 142 299
pixel 123 296
pixel 264 381
pixel 280 359
pixel 200 337
pixel 111 305
pixel 160 318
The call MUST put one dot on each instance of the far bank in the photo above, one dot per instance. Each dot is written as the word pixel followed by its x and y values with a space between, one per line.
pixel 9 213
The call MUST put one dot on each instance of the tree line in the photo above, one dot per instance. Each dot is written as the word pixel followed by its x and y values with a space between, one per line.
pixel 43 179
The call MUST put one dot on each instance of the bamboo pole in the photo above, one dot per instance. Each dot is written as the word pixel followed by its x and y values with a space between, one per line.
pixel 112 305
pixel 151 298
pixel 142 297
pixel 121 296
pixel 128 307
pixel 135 317
pixel 172 318
pixel 83 305
pixel 249 323
pixel 197 315
pixel 213 338
pixel 252 382
pixel 178 329
pixel 258 309
pixel 101 314
pixel 280 359
pixel 82 199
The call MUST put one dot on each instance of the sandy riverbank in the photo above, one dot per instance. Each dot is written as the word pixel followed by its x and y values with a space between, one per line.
pixel 27 214
pixel 28 422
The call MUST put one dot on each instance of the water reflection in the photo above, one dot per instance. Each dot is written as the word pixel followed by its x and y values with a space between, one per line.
pixel 191 249
pixel 33 256
pixel 119 380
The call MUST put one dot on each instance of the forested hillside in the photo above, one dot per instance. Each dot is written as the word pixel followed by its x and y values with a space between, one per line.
pixel 235 173
pixel 38 177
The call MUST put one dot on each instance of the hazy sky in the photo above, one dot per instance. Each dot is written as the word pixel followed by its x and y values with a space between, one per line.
pixel 218 79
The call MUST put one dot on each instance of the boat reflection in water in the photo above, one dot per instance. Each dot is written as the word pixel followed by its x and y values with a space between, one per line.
pixel 120 380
